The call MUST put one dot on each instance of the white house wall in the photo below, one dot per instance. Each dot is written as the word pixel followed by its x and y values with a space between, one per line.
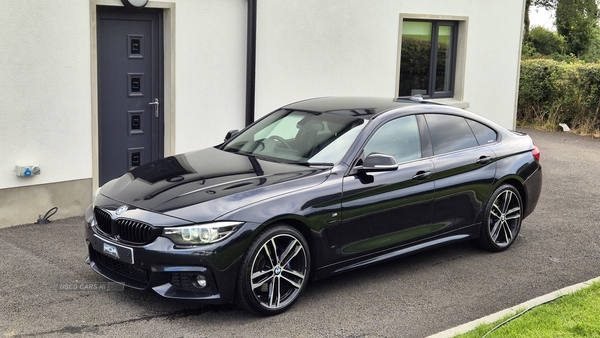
pixel 45 91
pixel 211 71
pixel 44 107
pixel 305 48
pixel 493 59
pixel 314 48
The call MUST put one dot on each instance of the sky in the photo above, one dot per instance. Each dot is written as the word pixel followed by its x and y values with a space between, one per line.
pixel 541 17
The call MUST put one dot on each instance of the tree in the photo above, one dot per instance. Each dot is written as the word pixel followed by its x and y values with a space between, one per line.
pixel 548 4
pixel 576 20
pixel 545 41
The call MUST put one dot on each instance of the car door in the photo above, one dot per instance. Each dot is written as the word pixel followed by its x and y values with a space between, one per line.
pixel 385 209
pixel 464 169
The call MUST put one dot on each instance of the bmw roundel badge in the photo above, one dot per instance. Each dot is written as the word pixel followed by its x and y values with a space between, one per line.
pixel 121 209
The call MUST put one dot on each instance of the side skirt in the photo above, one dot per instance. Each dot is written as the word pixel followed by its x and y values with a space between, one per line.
pixel 467 233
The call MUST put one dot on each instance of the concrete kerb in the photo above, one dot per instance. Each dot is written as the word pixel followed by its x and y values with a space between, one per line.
pixel 513 310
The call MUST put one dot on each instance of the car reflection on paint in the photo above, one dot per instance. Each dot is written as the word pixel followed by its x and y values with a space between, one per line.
pixel 315 188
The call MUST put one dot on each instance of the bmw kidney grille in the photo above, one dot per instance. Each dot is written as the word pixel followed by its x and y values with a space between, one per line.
pixel 125 229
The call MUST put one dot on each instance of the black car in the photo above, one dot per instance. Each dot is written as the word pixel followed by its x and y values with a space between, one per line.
pixel 313 189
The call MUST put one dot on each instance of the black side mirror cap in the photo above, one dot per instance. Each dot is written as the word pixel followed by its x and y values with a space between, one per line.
pixel 378 162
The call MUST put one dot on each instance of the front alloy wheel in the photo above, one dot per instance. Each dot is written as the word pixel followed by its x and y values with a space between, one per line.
pixel 274 271
pixel 502 222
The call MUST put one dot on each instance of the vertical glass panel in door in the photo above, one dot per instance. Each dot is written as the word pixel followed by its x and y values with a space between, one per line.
pixel 443 76
pixel 415 59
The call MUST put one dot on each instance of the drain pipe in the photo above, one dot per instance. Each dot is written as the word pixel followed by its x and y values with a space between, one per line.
pixel 251 62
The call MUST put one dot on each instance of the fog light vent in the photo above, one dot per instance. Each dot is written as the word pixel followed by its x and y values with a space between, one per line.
pixel 188 281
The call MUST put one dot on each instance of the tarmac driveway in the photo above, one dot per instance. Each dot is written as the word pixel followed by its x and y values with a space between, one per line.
pixel 411 297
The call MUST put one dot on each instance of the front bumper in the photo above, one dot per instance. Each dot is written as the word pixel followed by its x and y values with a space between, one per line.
pixel 169 270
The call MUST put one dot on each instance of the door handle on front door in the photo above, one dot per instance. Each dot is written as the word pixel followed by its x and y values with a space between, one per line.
pixel 155 104
pixel 484 159
pixel 421 175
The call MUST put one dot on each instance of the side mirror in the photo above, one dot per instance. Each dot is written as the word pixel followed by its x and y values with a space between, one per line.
pixel 231 134
pixel 378 162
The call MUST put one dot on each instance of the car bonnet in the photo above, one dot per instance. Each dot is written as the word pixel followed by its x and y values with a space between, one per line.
pixel 205 184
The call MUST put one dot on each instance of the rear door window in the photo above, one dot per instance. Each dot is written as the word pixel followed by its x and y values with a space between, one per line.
pixel 449 133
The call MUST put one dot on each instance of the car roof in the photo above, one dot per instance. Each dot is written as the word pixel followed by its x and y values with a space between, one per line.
pixel 370 107
pixel 365 107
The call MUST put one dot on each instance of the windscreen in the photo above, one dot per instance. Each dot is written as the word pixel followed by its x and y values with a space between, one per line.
pixel 300 137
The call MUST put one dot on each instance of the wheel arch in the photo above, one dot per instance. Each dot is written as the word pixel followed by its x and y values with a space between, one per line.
pixel 307 233
pixel 517 184
pixel 505 224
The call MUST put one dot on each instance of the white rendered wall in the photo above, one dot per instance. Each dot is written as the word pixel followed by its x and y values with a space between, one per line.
pixel 45 90
pixel 315 48
pixel 211 71
pixel 494 59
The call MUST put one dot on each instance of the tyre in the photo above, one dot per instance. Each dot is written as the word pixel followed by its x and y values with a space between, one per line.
pixel 274 271
pixel 502 219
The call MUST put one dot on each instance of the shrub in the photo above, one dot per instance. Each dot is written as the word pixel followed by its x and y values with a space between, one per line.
pixel 546 42
pixel 552 92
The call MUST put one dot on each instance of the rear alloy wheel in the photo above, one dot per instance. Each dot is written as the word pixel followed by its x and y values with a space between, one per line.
pixel 274 271
pixel 502 222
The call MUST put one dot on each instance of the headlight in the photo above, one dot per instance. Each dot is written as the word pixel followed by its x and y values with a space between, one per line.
pixel 201 233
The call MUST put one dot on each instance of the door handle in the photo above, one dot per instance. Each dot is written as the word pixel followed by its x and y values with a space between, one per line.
pixel 155 104
pixel 421 175
pixel 484 159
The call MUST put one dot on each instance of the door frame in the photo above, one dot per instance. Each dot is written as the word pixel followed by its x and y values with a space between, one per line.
pixel 168 103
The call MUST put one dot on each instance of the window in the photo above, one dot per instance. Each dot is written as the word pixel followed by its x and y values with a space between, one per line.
pixel 398 138
pixel 483 133
pixel 449 133
pixel 299 137
pixel 428 58
pixel 285 128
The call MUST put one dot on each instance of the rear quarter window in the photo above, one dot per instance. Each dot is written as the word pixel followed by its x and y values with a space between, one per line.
pixel 483 133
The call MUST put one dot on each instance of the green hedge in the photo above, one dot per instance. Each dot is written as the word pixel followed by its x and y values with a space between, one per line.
pixel 552 92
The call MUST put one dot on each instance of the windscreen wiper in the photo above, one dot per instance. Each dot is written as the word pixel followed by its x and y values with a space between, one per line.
pixel 312 164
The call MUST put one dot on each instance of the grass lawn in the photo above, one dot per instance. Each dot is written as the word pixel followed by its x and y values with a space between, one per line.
pixel 574 315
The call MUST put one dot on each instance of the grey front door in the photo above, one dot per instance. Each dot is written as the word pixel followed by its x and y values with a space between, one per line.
pixel 130 89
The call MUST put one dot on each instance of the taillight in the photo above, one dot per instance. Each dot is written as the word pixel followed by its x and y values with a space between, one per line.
pixel 536 153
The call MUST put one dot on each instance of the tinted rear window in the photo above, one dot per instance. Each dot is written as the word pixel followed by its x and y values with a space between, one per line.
pixel 449 133
pixel 483 133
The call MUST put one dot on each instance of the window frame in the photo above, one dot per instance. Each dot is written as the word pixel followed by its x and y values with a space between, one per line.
pixel 433 57
pixel 460 31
